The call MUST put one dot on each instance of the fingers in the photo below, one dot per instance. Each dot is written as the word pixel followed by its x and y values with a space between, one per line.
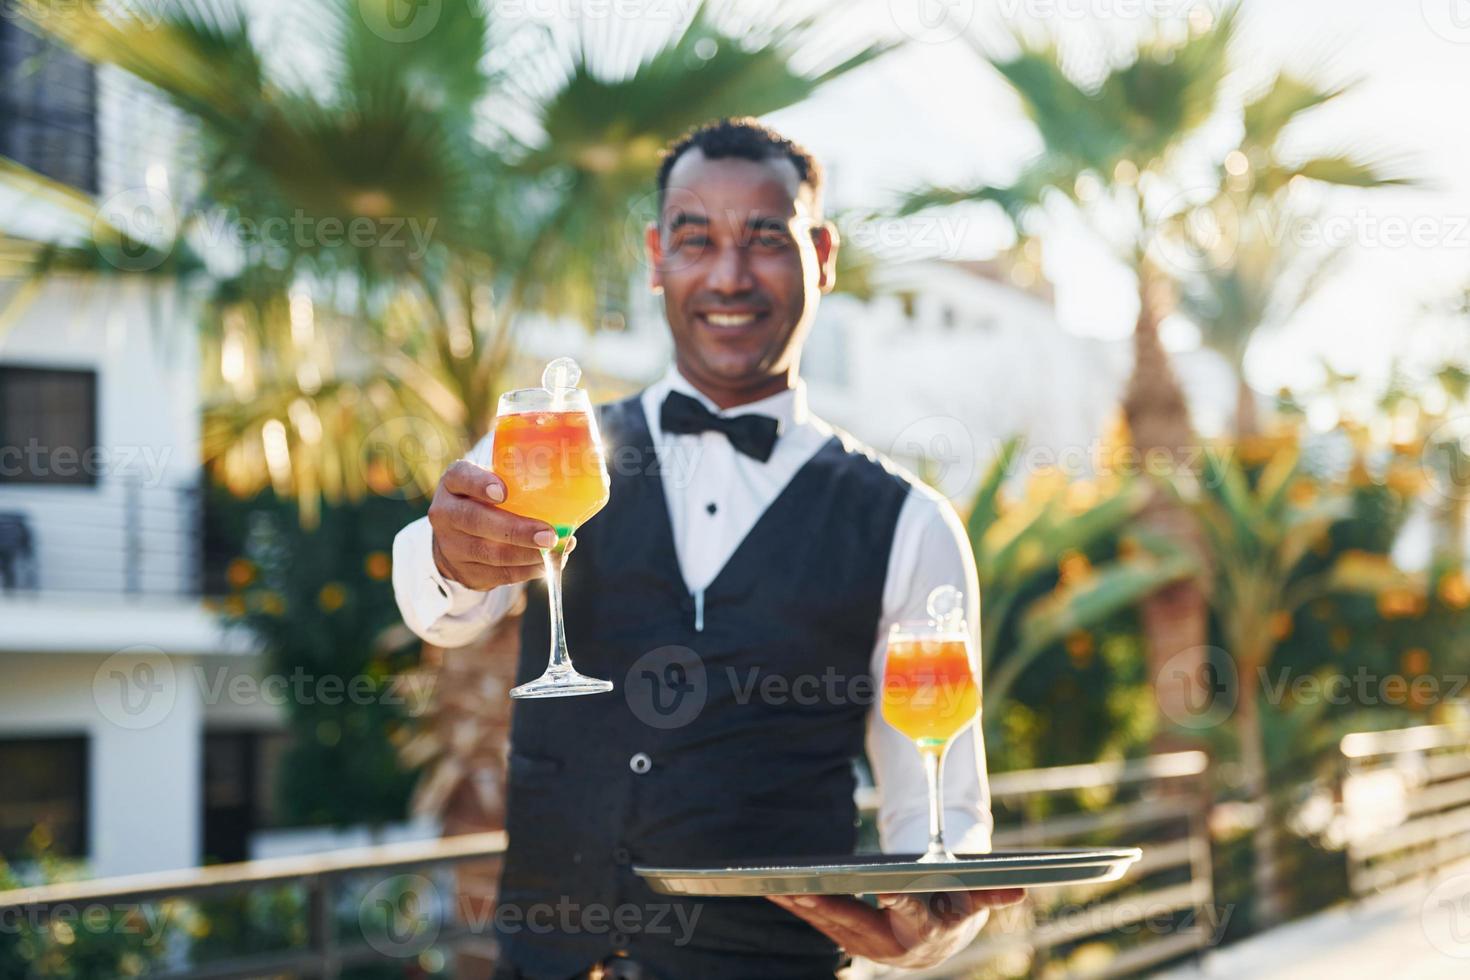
pixel 457 561
pixel 995 898
pixel 855 926
pixel 910 930
pixel 475 518
pixel 467 479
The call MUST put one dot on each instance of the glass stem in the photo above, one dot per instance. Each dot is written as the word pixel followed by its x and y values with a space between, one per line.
pixel 933 756
pixel 555 560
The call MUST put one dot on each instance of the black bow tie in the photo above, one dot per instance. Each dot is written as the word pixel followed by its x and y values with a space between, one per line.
pixel 753 435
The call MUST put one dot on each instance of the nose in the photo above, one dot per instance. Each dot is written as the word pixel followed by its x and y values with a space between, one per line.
pixel 729 272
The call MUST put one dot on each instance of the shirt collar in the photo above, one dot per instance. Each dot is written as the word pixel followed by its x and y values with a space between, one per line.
pixel 788 407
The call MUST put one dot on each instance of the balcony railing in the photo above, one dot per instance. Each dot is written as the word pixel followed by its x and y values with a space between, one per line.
pixel 122 536
pixel 1162 910
pixel 360 878
pixel 1406 799
pixel 373 904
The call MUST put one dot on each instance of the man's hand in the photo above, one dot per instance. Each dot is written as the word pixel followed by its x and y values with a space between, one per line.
pixel 911 931
pixel 476 543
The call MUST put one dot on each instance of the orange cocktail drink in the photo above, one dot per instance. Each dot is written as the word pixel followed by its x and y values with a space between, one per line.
pixel 929 690
pixel 552 466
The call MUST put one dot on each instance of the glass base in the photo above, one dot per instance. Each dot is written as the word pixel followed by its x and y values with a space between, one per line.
pixel 937 857
pixel 561 684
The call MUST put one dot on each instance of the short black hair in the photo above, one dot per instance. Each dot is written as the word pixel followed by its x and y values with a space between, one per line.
pixel 745 138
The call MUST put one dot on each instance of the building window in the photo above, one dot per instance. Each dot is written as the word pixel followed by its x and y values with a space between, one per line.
pixel 45 785
pixel 240 773
pixel 48 108
pixel 48 426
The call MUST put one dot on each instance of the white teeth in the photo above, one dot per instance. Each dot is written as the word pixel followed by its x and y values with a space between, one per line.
pixel 729 319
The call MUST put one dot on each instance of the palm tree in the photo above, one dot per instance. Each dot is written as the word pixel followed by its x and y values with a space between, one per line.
pixel 1016 555
pixel 1251 269
pixel 341 365
pixel 1260 530
pixel 1115 155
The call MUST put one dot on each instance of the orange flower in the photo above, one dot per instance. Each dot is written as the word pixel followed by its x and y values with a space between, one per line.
pixel 1454 590
pixel 1279 625
pixel 378 566
pixel 1073 567
pixel 332 597
pixel 1415 661
pixel 1302 492
pixel 240 572
pixel 1397 603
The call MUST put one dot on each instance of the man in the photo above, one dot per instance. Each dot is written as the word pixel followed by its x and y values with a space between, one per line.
pixel 748 554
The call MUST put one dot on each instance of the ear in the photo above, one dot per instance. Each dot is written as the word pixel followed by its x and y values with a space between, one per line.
pixel 653 247
pixel 826 240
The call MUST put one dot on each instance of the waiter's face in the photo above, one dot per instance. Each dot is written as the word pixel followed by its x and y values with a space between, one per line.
pixel 741 260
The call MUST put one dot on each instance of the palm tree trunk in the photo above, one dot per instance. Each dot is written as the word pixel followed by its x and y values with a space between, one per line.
pixel 1175 619
pixel 1266 886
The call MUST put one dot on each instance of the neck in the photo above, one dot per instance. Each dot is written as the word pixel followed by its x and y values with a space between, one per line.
pixel 732 396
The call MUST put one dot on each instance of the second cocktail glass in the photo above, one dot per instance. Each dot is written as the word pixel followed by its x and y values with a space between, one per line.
pixel 547 450
pixel 930 694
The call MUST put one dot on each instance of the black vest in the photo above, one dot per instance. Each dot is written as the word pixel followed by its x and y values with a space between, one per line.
pixel 731 733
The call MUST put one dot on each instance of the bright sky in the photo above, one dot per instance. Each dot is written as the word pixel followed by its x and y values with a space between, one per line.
pixel 933 112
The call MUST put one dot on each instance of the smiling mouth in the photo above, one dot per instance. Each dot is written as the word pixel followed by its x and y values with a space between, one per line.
pixel 729 321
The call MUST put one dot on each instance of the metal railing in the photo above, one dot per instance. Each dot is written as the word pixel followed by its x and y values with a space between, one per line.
pixel 1406 803
pixel 121 536
pixel 1162 910
pixel 325 879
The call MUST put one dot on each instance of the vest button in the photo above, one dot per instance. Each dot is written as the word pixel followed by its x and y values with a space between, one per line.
pixel 640 763
pixel 619 940
pixel 621 855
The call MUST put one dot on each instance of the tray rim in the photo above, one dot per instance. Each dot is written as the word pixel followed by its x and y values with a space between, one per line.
pixel 1061 859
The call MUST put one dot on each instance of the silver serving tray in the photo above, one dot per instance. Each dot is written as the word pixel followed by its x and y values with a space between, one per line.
pixel 869 874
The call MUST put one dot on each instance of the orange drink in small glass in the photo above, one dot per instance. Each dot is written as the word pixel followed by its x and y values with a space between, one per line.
pixel 546 448
pixel 930 694
pixel 929 690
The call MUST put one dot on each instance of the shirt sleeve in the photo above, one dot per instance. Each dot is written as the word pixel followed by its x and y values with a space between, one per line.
pixel 930 548
pixel 438 610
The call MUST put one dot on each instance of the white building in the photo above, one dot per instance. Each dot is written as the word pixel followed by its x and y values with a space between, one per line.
pixel 106 733
pixel 942 366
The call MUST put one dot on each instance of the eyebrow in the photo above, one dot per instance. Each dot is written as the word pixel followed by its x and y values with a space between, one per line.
pixel 759 222
pixel 685 218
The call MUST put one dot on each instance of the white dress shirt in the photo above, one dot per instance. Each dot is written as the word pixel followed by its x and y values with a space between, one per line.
pixel 715 496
